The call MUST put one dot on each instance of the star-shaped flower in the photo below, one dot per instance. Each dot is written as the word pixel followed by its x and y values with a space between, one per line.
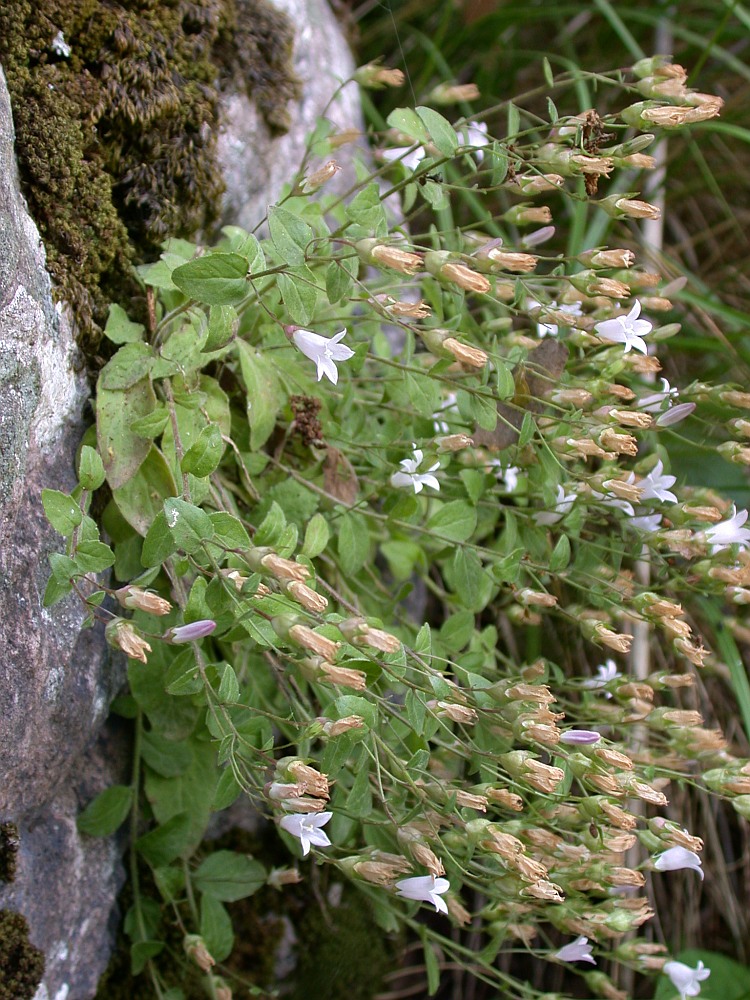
pixel 655 485
pixel 408 476
pixel 425 889
pixel 686 980
pixel 577 951
pixel 627 330
pixel 306 827
pixel 324 351
pixel 729 532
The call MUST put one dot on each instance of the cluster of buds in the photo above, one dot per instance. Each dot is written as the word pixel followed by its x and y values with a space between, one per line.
pixel 297 787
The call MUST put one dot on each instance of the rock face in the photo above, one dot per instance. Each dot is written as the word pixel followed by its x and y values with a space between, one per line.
pixel 255 163
pixel 56 681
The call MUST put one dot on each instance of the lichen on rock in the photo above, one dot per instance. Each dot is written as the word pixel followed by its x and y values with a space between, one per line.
pixel 21 964
pixel 116 127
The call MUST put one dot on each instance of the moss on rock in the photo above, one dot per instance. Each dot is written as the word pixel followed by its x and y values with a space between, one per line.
pixel 116 140
pixel 21 964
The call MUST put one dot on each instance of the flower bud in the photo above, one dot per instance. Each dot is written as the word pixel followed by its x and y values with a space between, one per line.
pixel 620 207
pixel 457 713
pixel 525 215
pixel 337 727
pixel 359 633
pixel 120 634
pixel 191 632
pixel 446 93
pixel 265 559
pixel 196 950
pixel 306 596
pixel 442 266
pixel 590 283
pixel 320 177
pixel 502 797
pixel 463 353
pixel 607 258
pixel 376 77
pixel 538 183
pixel 305 637
pixel 454 442
pixel 372 251
pixel 279 877
pixel 136 599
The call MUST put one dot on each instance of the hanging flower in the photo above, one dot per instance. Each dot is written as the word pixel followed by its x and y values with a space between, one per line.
pixel 654 402
pixel 191 632
pixel 627 330
pixel 408 476
pixel 686 980
pixel 563 503
pixel 676 858
pixel 475 134
pixel 729 532
pixel 425 889
pixel 645 522
pixel 605 673
pixel 306 827
pixel 655 485
pixel 577 951
pixel 324 351
pixel 410 158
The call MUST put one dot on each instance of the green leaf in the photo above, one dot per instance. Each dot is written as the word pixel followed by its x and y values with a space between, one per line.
pixel 228 876
pixel 166 757
pixel 122 451
pixel 229 531
pixel 131 363
pixel 424 393
pixel 227 790
pixel 152 424
pixel 359 799
pixel 159 543
pixel 168 841
pixel 455 521
pixel 55 591
pixel 456 631
pixel 216 928
pixel 141 499
pixel 223 323
pixel 299 293
pixel 215 279
pixel 94 557
pixel 141 952
pixel 203 457
pixel 63 513
pixel 229 688
pixel 353 543
pixel 189 525
pixel 514 120
pixel 441 131
pixel 90 469
pixel 430 963
pixel 317 534
pixel 561 555
pixel 469 581
pixel 121 330
pixel 506 387
pixel 528 429
pixel 408 122
pixel 498 160
pixel 271 527
pixel 547 70
pixel 289 234
pixel 339 277
pixel 367 210
pixel 190 793
pixel 263 393
pixel 106 812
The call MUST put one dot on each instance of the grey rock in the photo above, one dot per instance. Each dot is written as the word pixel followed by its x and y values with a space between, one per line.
pixel 255 163
pixel 56 681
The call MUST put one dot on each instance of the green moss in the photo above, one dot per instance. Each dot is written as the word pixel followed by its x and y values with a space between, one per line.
pixel 116 144
pixel 21 964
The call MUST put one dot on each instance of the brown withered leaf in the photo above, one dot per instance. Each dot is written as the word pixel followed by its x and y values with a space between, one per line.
pixel 339 478
pixel 534 379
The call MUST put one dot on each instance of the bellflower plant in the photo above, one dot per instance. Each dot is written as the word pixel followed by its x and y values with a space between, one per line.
pixel 324 351
pixel 686 980
pixel 425 889
pixel 627 330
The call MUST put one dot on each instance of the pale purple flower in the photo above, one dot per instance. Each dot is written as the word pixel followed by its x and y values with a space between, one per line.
pixel 449 407
pixel 584 736
pixel 410 158
pixel 306 827
pixel 675 414
pixel 409 477
pixel 729 532
pixel 475 134
pixel 655 485
pixel 645 522
pixel 191 632
pixel 577 951
pixel 324 351
pixel 425 889
pixel 509 477
pixel 627 330
pixel 654 402
pixel 563 503
pixel 676 858
pixel 686 980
